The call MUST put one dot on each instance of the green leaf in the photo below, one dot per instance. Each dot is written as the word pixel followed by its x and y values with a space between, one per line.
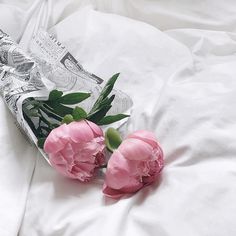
pixel 60 109
pixel 73 98
pixel 97 116
pixel 54 95
pixel 41 142
pixel 109 85
pixel 50 113
pixel 103 105
pixel 68 119
pixel 105 92
pixel 112 139
pixel 107 101
pixel 79 114
pixel 111 119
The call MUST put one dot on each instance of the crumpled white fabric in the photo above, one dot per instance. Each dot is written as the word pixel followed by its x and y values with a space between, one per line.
pixel 183 85
pixel 172 14
pixel 17 160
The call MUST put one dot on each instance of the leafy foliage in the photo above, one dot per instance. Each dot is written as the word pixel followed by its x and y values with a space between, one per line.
pixel 45 115
pixel 103 105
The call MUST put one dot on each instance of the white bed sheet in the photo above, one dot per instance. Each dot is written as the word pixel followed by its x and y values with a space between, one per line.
pixel 172 14
pixel 183 85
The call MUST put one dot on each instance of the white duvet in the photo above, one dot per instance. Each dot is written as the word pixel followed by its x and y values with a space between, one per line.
pixel 181 75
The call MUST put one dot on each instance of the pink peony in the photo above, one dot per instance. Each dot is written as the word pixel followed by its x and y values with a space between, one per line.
pixel 76 149
pixel 135 164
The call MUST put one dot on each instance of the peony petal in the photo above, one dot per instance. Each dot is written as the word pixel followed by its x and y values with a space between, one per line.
pixel 159 157
pixel 75 150
pixel 112 193
pixel 145 136
pixel 83 171
pixel 80 131
pixel 118 193
pixel 68 153
pixel 118 174
pixel 57 161
pixel 136 163
pixel 135 149
pixel 87 152
pixel 56 139
pixel 100 158
pixel 86 167
pixel 95 128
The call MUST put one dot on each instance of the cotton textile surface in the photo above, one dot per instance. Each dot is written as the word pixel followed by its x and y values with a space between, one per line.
pixel 178 63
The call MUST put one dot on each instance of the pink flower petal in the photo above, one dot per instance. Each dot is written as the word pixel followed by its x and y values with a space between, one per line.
pixel 57 139
pixel 57 159
pixel 95 128
pixel 136 163
pixel 145 136
pixel 68 153
pixel 100 159
pixel 75 150
pixel 135 149
pixel 80 131
pixel 60 164
pixel 83 171
pixel 112 193
pixel 118 193
pixel 118 174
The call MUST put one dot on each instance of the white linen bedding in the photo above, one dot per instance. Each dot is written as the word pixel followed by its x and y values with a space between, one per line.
pixel 183 85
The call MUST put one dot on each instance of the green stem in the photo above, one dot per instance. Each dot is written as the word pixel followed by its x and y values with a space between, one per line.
pixel 45 120
pixel 31 124
pixel 50 113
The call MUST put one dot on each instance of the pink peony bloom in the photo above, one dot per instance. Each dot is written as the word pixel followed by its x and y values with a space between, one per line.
pixel 76 149
pixel 135 164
